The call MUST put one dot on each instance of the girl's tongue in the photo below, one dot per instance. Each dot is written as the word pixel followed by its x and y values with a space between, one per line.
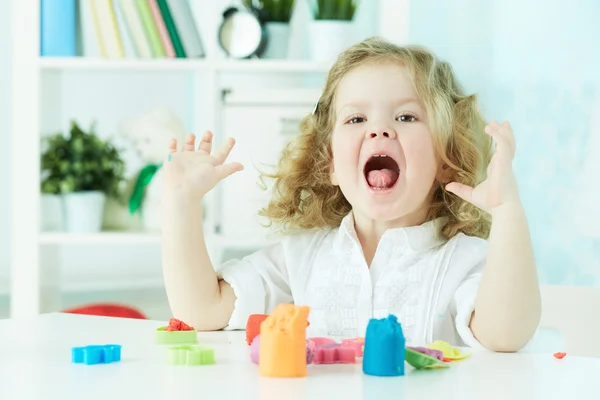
pixel 382 178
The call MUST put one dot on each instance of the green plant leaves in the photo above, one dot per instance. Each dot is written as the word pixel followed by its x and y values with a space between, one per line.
pixel 337 10
pixel 275 10
pixel 80 161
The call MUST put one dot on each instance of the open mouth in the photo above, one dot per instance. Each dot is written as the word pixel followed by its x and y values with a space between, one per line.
pixel 381 172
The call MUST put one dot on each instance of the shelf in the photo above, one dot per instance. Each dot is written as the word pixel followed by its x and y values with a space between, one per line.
pixel 138 238
pixel 91 64
pixel 272 66
pixel 124 238
pixel 251 66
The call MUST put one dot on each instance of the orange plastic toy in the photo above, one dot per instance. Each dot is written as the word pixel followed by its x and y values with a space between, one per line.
pixel 283 342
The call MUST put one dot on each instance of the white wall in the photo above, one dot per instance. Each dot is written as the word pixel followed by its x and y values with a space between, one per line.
pixel 5 68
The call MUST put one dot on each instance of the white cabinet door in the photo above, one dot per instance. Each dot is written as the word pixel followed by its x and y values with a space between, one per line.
pixel 261 132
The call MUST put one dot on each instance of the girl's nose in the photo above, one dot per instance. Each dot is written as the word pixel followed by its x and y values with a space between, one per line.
pixel 381 134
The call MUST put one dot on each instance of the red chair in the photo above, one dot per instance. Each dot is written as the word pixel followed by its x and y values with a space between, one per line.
pixel 107 310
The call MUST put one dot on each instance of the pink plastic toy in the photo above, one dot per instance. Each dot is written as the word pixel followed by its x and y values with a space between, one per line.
pixel 334 353
pixel 320 341
pixel 357 344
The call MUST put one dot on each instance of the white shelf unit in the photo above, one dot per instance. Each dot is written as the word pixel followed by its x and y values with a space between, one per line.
pixel 34 287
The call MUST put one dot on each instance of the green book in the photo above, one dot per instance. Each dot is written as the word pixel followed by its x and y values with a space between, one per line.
pixel 158 51
pixel 170 24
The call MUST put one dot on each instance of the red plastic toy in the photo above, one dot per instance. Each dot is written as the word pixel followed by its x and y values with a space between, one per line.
pixel 560 355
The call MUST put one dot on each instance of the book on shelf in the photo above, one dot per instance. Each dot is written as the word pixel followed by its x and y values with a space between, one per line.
pixel 120 29
pixel 58 28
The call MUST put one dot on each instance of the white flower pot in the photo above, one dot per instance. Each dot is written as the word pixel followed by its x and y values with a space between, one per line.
pixel 329 38
pixel 51 213
pixel 278 38
pixel 83 211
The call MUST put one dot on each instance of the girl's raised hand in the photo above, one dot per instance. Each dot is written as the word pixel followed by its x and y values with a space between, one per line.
pixel 500 185
pixel 196 172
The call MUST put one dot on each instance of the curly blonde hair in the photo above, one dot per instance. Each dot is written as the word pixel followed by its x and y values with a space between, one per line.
pixel 303 195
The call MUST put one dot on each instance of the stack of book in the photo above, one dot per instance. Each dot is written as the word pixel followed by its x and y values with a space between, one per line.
pixel 119 29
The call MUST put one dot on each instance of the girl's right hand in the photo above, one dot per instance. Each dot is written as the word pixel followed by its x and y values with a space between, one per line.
pixel 195 173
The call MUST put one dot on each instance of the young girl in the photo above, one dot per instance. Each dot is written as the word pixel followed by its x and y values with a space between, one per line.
pixel 385 206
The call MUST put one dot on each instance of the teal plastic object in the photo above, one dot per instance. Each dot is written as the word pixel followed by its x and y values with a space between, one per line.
pixel 176 337
pixel 421 361
pixel 96 354
pixel 190 355
pixel 385 348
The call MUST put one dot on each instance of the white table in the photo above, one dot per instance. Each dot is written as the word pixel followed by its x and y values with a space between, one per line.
pixel 35 363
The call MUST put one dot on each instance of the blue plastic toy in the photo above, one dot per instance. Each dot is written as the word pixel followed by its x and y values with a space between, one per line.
pixel 384 351
pixel 96 354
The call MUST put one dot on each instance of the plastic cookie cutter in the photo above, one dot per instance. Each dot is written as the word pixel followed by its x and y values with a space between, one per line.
pixel 334 353
pixel 283 342
pixel 96 354
pixel 190 355
pixel 450 353
pixel 357 344
pixel 420 358
pixel 177 332
pixel 384 351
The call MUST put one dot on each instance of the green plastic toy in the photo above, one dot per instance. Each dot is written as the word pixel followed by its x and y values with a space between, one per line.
pixel 175 337
pixel 190 355
pixel 421 361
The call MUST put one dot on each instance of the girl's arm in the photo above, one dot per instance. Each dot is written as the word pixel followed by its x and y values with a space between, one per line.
pixel 195 294
pixel 508 304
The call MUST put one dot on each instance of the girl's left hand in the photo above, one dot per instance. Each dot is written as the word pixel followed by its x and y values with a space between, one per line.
pixel 500 185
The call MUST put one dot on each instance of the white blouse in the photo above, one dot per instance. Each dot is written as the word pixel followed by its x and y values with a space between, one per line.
pixel 429 283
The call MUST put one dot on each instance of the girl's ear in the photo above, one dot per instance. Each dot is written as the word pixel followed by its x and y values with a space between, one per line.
pixel 444 173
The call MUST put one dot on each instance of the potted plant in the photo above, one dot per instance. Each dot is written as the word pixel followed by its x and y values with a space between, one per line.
pixel 331 30
pixel 84 170
pixel 277 15
pixel 51 205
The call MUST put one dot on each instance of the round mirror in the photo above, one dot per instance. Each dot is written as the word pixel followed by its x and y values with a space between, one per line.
pixel 242 34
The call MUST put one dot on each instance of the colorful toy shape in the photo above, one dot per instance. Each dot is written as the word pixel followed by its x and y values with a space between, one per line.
pixel 255 350
pixel 96 354
pixel 334 354
pixel 177 332
pixel 427 351
pixel 283 342
pixel 357 344
pixel 450 353
pixel 190 355
pixel 384 351
pixel 253 326
pixel 177 325
pixel 419 360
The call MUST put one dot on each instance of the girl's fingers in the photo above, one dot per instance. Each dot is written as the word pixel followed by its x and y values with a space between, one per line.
pixel 172 145
pixel 205 144
pixel 224 170
pixel 222 154
pixel 463 191
pixel 189 142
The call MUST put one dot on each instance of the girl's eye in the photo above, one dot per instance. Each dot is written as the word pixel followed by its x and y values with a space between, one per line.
pixel 355 120
pixel 406 118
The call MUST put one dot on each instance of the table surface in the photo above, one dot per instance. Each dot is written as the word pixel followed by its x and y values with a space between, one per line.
pixel 35 363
